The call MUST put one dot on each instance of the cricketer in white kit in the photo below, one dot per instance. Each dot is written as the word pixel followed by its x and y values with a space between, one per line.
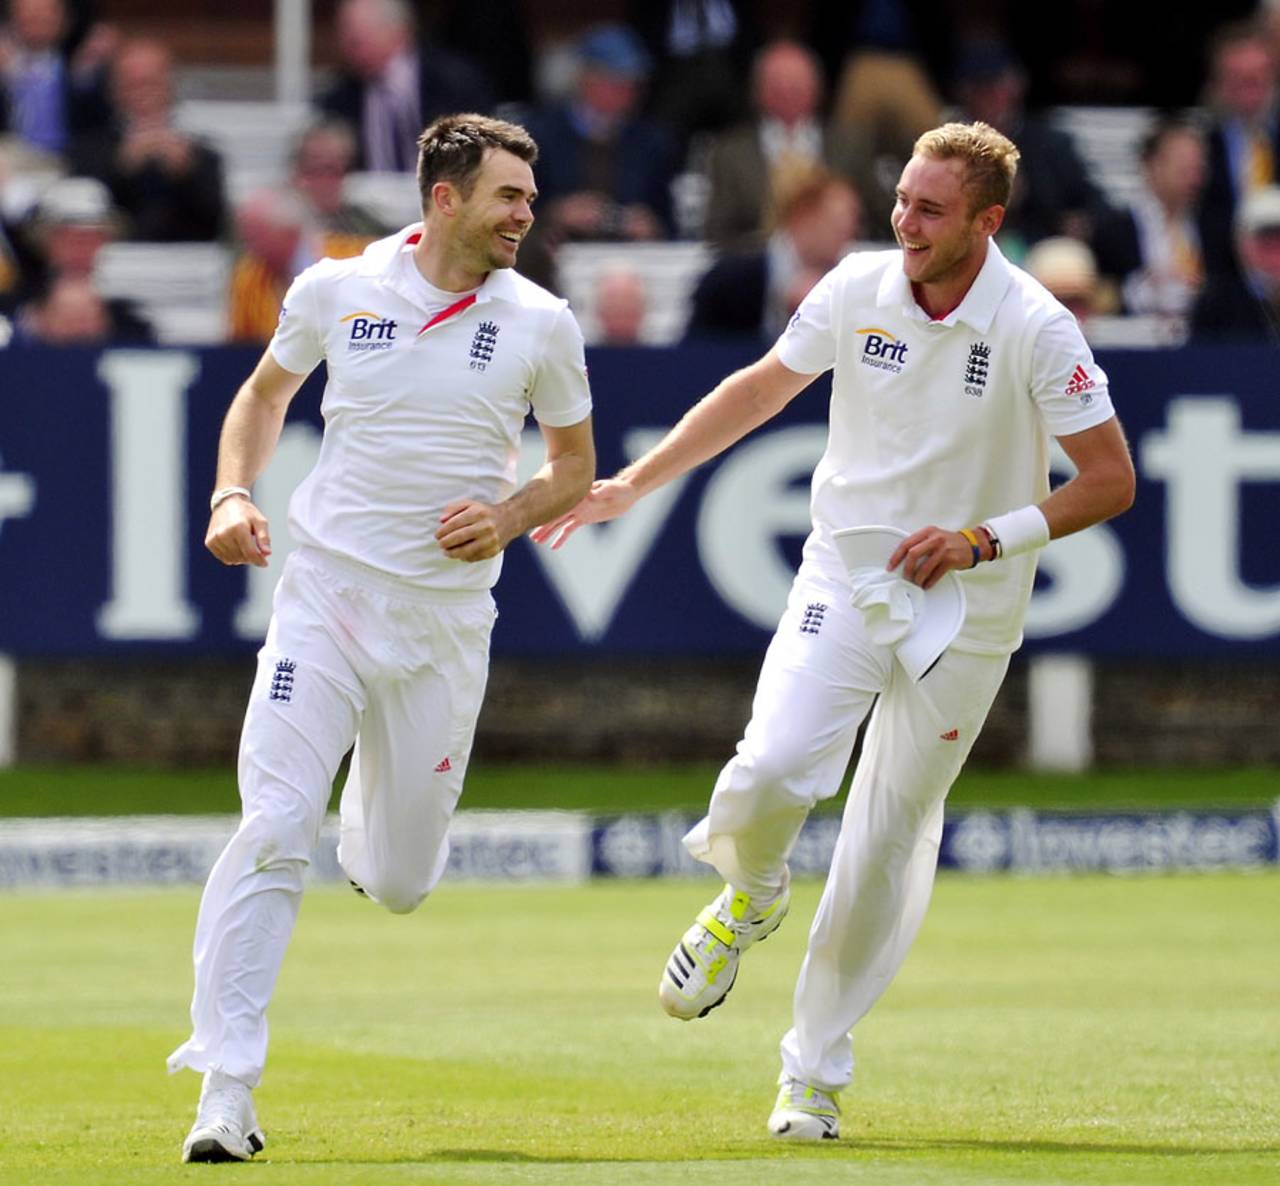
pixel 951 370
pixel 436 353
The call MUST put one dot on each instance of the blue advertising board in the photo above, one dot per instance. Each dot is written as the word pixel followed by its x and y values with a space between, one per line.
pixel 107 459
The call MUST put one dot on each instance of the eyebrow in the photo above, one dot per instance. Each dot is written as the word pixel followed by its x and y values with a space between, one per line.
pixel 516 189
pixel 933 203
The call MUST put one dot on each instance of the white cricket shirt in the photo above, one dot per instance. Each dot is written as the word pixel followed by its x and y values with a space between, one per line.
pixel 424 404
pixel 942 422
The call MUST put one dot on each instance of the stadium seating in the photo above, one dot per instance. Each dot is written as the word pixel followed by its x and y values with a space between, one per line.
pixel 180 288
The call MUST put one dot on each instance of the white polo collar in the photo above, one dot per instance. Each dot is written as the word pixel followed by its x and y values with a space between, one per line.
pixel 977 310
pixel 380 261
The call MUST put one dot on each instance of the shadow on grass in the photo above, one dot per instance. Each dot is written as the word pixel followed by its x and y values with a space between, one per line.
pixel 845 1148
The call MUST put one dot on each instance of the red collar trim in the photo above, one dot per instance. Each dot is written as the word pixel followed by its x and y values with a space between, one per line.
pixel 452 310
pixel 915 292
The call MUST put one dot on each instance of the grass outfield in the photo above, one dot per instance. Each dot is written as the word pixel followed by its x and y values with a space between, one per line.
pixel 1083 1030
pixel 98 790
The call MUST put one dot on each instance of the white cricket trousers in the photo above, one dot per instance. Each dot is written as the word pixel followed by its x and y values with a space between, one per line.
pixel 351 655
pixel 821 675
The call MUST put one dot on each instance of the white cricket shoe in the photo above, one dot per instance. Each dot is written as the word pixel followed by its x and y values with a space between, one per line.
pixel 226 1127
pixel 704 964
pixel 804 1112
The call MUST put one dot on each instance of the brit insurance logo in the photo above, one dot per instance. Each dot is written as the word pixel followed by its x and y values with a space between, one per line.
pixel 368 331
pixel 882 350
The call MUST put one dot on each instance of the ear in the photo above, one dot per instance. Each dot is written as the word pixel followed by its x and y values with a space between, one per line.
pixel 991 219
pixel 444 198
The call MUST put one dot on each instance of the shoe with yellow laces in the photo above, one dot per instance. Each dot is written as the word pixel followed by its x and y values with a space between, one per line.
pixel 704 964
pixel 804 1112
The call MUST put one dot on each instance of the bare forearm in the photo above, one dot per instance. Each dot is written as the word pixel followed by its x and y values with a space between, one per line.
pixel 249 436
pixel 559 484
pixel 1086 499
pixel 739 404
pixel 1103 486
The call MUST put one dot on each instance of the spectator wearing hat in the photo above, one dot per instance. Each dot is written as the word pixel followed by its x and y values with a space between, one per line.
pixel 74 220
pixel 604 171
pixel 1053 193
pixel 392 84
pixel 752 294
pixel 167 184
pixel 1068 269
pixel 1151 248
pixel 1244 305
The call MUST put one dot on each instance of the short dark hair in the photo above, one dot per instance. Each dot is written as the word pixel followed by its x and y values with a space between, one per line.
pixel 453 148
pixel 1164 129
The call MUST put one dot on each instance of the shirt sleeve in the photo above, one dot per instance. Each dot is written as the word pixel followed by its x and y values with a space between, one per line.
pixel 1069 387
pixel 297 345
pixel 808 344
pixel 560 395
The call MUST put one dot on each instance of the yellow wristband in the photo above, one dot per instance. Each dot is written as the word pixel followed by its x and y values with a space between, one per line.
pixel 973 543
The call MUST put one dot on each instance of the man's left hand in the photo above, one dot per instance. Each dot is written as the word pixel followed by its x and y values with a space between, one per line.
pixel 473 530
pixel 929 554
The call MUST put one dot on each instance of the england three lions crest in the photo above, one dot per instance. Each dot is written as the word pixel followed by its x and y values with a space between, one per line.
pixel 482 345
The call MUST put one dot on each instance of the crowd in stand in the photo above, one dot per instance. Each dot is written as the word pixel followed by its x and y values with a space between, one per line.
pixel 793 132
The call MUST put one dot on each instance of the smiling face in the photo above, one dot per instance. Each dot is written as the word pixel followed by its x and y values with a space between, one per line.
pixel 489 223
pixel 943 239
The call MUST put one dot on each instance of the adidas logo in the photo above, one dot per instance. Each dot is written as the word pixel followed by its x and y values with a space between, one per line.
pixel 1080 381
pixel 444 767
pixel 950 735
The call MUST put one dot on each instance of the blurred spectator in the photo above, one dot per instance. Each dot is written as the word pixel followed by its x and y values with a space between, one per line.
pixel 1067 268
pixel 884 96
pixel 74 221
pixel 701 48
pixel 392 85
pixel 10 275
pixel 46 98
pixel 1245 136
pixel 1244 304
pixel 1053 194
pixel 279 238
pixel 168 184
pixel 70 313
pixel 621 303
pixel 495 30
pixel 752 294
pixel 604 171
pixel 784 140
pixel 1152 247
pixel 321 162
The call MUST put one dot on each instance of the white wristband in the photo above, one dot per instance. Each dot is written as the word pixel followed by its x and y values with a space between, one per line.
pixel 218 497
pixel 1020 531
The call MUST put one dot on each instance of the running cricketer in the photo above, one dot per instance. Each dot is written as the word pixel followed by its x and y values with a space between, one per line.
pixel 951 369
pixel 436 351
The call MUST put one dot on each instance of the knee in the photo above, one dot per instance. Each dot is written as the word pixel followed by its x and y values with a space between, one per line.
pixel 396 896
pixel 275 840
pixel 786 770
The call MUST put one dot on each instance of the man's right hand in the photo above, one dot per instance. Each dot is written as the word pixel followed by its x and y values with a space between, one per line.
pixel 238 533
pixel 607 499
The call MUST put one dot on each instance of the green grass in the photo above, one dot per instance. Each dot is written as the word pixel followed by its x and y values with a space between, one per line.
pixel 1116 1031
pixel 90 790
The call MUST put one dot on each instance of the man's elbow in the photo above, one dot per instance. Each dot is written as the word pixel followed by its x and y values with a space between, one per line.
pixel 1124 489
